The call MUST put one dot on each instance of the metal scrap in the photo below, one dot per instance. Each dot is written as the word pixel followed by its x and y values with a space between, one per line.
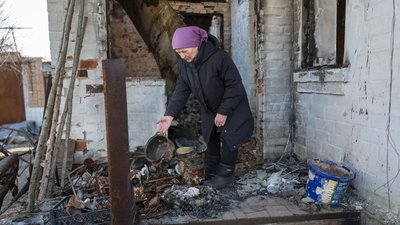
pixel 8 174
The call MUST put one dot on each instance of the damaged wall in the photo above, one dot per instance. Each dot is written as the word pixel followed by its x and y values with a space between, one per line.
pixel 208 8
pixel 243 39
pixel 352 114
pixel 274 49
pixel 88 119
pixel 126 43
pixel 348 114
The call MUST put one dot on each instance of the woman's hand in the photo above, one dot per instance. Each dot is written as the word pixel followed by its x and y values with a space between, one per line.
pixel 220 120
pixel 164 123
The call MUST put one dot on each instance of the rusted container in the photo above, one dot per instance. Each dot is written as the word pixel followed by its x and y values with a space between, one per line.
pixel 190 165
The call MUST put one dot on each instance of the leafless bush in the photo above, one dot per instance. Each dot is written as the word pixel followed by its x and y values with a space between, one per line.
pixel 9 56
pixel 7 42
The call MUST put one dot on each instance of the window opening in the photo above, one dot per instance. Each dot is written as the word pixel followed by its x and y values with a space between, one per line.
pixel 324 33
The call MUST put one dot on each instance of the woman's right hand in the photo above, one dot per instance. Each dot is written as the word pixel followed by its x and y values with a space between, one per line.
pixel 164 123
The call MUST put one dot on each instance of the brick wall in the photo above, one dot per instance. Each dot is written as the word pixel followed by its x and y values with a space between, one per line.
pixel 274 76
pixel 127 44
pixel 88 119
pixel 146 103
pixel 34 89
pixel 353 114
pixel 32 72
pixel 209 8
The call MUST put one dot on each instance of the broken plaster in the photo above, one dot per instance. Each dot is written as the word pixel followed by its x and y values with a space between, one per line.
pixel 99 17
pixel 329 81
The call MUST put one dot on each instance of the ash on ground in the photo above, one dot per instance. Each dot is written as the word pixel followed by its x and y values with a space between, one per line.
pixel 285 178
pixel 186 203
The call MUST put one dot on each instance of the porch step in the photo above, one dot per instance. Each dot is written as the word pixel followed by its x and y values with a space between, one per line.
pixel 340 218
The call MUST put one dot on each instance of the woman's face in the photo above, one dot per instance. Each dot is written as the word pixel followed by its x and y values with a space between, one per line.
pixel 187 54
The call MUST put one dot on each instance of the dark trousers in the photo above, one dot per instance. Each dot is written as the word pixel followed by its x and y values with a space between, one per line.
pixel 226 156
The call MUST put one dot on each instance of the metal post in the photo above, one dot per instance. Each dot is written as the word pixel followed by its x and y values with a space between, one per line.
pixel 122 208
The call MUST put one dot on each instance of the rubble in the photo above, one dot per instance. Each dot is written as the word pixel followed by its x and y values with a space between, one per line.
pixel 190 116
pixel 16 142
pixel 163 193
pixel 163 196
pixel 17 133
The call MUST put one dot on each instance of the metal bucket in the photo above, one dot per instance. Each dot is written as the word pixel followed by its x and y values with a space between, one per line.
pixel 159 147
pixel 190 164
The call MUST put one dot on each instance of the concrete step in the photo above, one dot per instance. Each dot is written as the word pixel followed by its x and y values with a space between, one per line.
pixel 340 218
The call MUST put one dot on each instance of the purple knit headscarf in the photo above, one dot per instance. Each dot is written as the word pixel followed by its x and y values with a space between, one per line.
pixel 188 37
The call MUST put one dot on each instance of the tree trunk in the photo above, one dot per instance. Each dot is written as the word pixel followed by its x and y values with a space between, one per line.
pixel 156 22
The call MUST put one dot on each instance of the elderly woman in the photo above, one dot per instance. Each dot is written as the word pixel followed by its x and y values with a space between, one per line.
pixel 209 73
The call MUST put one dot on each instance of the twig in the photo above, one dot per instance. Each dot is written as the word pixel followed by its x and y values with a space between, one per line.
pixel 155 215
pixel 72 186
pixel 160 179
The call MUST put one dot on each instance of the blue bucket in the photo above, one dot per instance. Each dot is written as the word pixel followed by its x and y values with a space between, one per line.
pixel 327 181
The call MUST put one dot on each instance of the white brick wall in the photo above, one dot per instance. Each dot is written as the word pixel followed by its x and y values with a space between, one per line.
pixel 34 114
pixel 145 98
pixel 352 127
pixel 276 69
pixel 146 103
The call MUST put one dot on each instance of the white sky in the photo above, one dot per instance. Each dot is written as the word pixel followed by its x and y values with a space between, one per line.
pixel 32 14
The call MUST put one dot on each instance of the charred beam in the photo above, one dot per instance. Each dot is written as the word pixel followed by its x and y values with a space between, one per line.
pixel 156 22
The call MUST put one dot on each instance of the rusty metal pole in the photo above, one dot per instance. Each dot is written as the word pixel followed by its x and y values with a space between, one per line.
pixel 122 199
